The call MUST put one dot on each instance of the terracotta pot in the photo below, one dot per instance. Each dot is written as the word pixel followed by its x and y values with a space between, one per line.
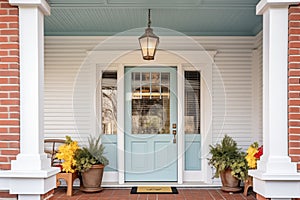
pixel 92 179
pixel 229 182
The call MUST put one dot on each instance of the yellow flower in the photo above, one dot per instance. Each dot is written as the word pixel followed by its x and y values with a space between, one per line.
pixel 252 150
pixel 66 153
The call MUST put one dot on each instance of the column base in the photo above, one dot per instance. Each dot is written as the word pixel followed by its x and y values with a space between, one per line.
pixel 278 186
pixel 29 182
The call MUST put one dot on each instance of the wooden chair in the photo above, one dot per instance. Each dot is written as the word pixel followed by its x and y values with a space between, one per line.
pixel 248 183
pixel 51 148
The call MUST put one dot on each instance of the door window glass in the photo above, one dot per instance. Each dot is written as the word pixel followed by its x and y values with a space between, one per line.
pixel 150 103
pixel 192 102
pixel 109 102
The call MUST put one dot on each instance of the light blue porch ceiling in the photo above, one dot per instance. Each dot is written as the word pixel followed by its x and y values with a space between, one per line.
pixel 191 17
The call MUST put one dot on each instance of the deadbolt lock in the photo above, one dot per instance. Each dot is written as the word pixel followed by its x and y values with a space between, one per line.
pixel 174 126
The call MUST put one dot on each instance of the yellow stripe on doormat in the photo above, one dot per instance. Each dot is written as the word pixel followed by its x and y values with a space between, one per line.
pixel 154 190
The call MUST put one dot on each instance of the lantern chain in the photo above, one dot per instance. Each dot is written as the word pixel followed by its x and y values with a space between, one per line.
pixel 149 20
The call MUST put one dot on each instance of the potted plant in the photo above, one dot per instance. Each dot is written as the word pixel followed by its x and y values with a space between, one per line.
pixel 254 152
pixel 66 153
pixel 230 164
pixel 67 163
pixel 90 162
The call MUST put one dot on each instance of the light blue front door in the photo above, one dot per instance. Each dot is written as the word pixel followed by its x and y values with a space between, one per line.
pixel 150 124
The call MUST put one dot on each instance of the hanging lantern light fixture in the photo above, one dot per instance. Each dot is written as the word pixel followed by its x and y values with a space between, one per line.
pixel 148 42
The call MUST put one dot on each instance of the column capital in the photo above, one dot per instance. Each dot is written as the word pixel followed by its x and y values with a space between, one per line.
pixel 264 5
pixel 41 4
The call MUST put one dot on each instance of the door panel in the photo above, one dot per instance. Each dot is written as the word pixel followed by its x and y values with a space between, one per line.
pixel 150 111
pixel 192 152
pixel 110 143
pixel 142 148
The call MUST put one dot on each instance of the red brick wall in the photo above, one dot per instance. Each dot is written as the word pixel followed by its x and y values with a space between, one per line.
pixel 9 84
pixel 294 84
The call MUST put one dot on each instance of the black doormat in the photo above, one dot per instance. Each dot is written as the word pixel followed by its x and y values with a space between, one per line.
pixel 154 190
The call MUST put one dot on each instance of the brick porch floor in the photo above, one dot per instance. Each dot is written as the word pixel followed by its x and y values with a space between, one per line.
pixel 124 194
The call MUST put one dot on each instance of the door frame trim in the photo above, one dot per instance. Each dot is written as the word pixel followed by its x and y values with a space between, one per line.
pixel 202 61
pixel 180 134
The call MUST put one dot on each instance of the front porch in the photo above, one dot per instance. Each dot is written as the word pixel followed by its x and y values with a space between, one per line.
pixel 241 90
pixel 124 193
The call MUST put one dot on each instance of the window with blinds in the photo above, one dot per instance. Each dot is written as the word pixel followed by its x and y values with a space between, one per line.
pixel 192 102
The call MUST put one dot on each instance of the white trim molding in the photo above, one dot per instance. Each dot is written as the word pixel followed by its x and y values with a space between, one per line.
pixel 264 5
pixel 31 174
pixel 42 5
pixel 197 60
pixel 276 176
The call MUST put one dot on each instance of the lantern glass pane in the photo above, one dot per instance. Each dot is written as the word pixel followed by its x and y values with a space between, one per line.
pixel 148 46
pixel 143 43
pixel 151 46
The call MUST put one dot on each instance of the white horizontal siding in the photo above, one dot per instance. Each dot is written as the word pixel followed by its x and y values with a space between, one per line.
pixel 232 93
pixel 257 90
pixel 68 95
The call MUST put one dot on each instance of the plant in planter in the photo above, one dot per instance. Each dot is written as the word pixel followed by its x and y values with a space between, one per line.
pixel 90 162
pixel 230 164
pixel 66 153
pixel 254 152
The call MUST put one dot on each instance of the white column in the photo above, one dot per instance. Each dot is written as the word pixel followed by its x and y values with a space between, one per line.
pixel 31 34
pixel 276 176
pixel 31 174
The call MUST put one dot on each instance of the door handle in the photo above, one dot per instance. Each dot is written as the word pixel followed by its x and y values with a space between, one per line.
pixel 174 126
pixel 174 134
